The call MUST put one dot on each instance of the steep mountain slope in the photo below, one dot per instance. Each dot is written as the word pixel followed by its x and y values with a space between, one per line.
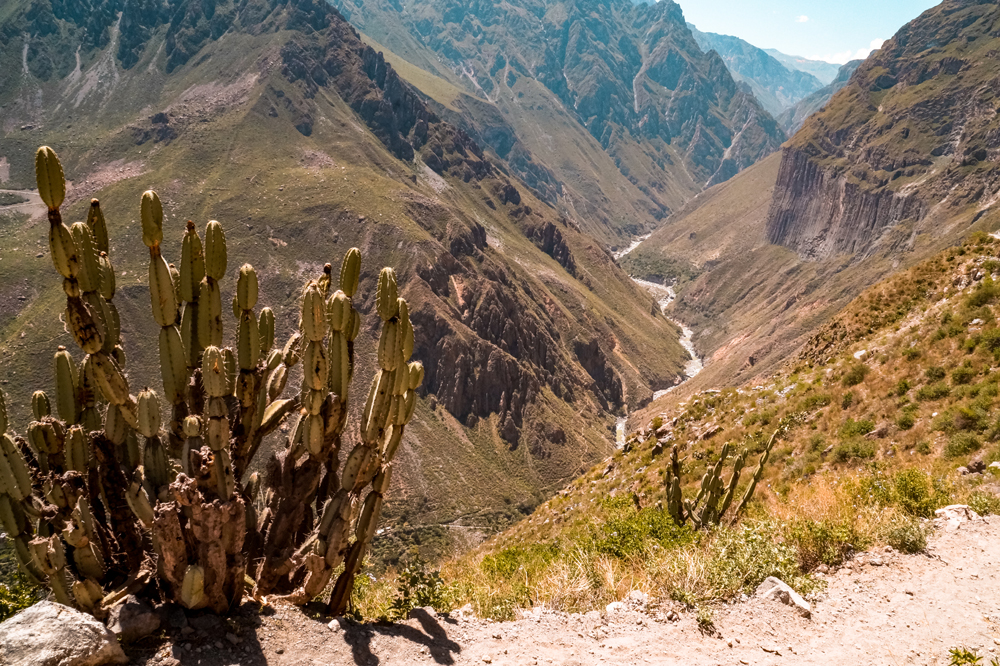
pixel 613 102
pixel 793 119
pixel 914 134
pixel 826 72
pixel 274 118
pixel 774 85
pixel 830 220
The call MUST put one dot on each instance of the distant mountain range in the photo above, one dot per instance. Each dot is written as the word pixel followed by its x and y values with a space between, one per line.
pixel 776 86
pixel 792 119
pixel 822 70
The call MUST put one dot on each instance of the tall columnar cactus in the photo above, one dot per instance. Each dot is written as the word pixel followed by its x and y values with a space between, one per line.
pixel 91 499
pixel 706 509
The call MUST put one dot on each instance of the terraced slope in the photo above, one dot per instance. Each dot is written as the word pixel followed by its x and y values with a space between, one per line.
pixel 276 119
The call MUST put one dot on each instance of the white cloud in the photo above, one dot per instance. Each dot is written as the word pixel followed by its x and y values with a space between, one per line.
pixel 802 19
pixel 845 56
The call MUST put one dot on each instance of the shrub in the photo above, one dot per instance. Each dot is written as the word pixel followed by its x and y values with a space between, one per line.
pixel 923 448
pixel 852 428
pixel 960 444
pixel 915 493
pixel 962 375
pixel 418 588
pixel 934 374
pixel 813 401
pixel 990 339
pixel 984 503
pixel 824 542
pixel 933 392
pixel 742 557
pixel 657 422
pixel 854 449
pixel 855 375
pixel 983 294
pixel 907 538
pixel 847 400
pixel 629 532
pixel 902 388
pixel 906 421
pixel 911 353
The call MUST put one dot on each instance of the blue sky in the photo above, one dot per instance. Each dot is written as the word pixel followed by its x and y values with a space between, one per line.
pixel 831 30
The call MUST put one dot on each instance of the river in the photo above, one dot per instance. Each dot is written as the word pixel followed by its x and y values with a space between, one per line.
pixel 664 295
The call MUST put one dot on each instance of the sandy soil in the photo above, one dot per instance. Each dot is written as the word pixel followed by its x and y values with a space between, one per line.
pixel 883 608
pixel 33 206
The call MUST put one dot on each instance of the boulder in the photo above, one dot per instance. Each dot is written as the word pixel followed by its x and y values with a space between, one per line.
pixel 133 619
pixel 50 634
pixel 775 589
pixel 952 517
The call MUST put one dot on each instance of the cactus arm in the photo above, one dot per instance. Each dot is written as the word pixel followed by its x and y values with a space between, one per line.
pixel 758 473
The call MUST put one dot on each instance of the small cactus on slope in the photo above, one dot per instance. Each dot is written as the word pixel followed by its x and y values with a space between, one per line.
pixel 714 496
pixel 103 497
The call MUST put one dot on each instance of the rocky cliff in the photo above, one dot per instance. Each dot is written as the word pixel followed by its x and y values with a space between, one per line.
pixel 915 129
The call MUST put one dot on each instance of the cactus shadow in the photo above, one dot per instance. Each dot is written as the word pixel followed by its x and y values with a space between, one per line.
pixel 431 634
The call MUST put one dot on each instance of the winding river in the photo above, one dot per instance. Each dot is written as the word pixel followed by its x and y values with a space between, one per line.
pixel 664 295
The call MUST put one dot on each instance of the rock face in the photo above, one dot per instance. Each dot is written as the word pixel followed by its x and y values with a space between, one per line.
pixel 50 634
pixel 773 588
pixel 913 130
pixel 775 86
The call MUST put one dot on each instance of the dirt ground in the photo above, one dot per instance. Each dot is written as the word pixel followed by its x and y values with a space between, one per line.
pixel 882 608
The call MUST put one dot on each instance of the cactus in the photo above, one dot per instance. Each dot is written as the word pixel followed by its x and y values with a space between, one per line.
pixel 103 488
pixel 706 509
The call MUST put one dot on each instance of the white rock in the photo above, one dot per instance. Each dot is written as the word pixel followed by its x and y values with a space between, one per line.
pixel 638 598
pixel 953 516
pixel 772 588
pixel 614 607
pixel 995 465
pixel 50 634
pixel 860 354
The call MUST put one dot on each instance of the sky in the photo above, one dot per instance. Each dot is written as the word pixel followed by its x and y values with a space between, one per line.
pixel 831 30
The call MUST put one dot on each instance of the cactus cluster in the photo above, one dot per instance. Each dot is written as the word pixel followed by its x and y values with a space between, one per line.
pixel 105 499
pixel 714 496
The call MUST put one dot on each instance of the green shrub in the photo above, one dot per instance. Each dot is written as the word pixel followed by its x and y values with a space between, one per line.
pixel 911 353
pixel 990 339
pixel 983 294
pixel 914 493
pixel 906 421
pixel 934 374
pixel 984 503
pixel 923 448
pixel 419 588
pixel 813 401
pixel 963 375
pixel 852 428
pixel 629 532
pixel 907 538
pixel 847 400
pixel 824 542
pixel 961 444
pixel 657 422
pixel 933 392
pixel 742 557
pixel 902 388
pixel 855 375
pixel 854 449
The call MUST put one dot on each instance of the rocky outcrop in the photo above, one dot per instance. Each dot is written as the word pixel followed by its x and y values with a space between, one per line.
pixel 50 634
pixel 913 129
pixel 821 214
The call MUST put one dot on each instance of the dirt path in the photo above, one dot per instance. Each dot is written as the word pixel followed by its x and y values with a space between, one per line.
pixel 909 609
pixel 34 206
